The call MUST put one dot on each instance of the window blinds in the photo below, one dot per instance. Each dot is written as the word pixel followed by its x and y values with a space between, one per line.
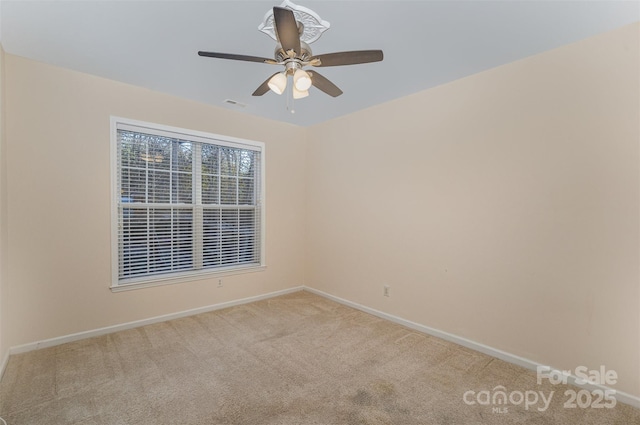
pixel 185 204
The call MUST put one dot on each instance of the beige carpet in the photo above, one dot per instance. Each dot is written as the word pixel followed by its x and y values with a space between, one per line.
pixel 295 359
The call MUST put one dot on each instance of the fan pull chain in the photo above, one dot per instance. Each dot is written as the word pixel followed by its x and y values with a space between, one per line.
pixel 290 100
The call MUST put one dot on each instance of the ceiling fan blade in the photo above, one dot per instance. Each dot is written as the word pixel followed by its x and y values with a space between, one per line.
pixel 287 29
pixel 264 87
pixel 348 58
pixel 237 57
pixel 321 83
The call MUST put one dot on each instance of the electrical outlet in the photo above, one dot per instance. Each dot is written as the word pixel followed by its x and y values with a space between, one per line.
pixel 219 283
pixel 385 290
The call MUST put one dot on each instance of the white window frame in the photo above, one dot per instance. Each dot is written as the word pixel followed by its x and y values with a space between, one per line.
pixel 190 275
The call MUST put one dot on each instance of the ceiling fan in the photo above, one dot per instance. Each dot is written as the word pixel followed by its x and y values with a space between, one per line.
pixel 294 54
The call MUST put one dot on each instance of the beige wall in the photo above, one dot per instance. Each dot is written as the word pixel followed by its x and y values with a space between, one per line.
pixel 4 346
pixel 57 135
pixel 502 208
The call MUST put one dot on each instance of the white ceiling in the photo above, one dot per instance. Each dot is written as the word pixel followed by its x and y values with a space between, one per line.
pixel 154 44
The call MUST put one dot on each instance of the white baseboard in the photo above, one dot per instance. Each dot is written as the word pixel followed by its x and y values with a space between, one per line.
pixel 620 396
pixel 3 365
pixel 130 325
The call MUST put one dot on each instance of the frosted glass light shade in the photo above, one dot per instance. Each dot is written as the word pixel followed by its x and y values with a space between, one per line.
pixel 278 83
pixel 299 94
pixel 301 80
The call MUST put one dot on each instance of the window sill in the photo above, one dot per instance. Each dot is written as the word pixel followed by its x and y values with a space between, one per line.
pixel 187 277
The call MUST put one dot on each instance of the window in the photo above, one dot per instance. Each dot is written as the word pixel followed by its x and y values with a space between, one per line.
pixel 184 204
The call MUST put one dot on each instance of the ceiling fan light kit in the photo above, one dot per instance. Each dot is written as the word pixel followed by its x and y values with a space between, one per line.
pixel 301 80
pixel 299 94
pixel 294 27
pixel 278 83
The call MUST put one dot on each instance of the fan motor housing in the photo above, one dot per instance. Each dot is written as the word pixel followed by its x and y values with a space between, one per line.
pixel 282 56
